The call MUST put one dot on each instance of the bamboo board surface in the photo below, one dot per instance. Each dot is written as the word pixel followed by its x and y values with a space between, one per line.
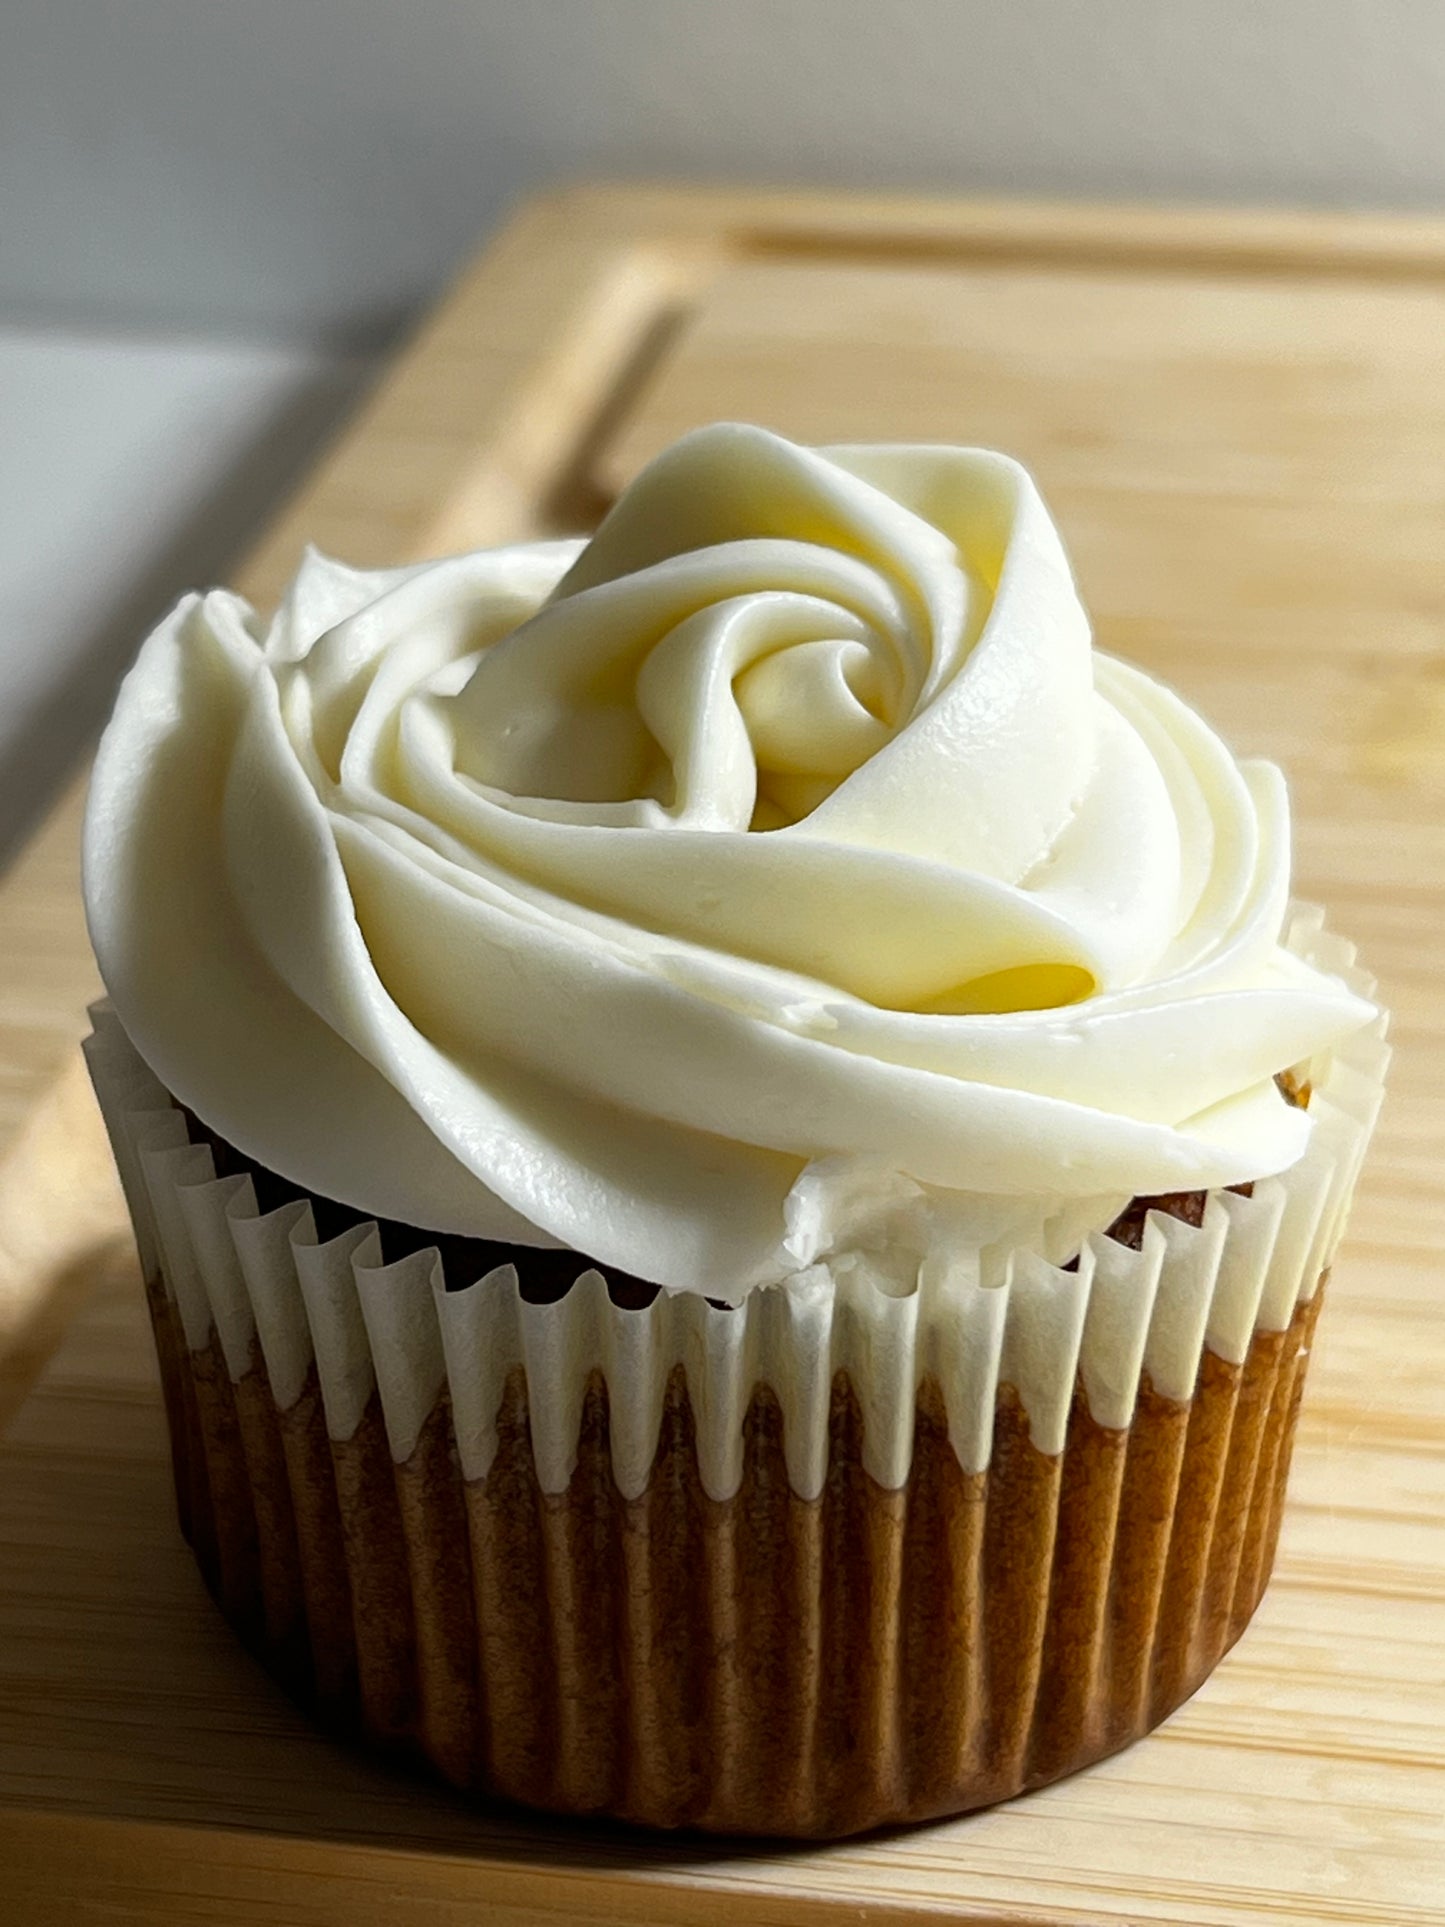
pixel 1240 424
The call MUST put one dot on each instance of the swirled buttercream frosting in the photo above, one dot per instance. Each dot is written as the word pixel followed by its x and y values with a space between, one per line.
pixel 778 877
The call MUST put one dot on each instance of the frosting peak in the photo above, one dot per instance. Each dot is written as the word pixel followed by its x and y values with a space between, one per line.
pixel 777 862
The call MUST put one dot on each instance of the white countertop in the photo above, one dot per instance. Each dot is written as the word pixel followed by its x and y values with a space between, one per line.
pixel 131 469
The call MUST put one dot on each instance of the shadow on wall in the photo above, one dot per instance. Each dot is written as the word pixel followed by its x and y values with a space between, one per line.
pixel 60 664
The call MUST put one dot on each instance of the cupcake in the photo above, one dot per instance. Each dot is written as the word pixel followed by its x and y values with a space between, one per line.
pixel 733 1140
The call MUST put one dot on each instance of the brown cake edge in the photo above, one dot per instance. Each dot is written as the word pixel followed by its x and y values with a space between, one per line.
pixel 759 1664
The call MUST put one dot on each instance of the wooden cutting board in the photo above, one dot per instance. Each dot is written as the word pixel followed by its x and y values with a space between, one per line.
pixel 1239 421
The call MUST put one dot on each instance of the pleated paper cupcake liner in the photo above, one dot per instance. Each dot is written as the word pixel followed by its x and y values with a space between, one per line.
pixel 829 1559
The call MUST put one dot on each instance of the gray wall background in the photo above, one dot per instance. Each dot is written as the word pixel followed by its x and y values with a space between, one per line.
pixel 310 170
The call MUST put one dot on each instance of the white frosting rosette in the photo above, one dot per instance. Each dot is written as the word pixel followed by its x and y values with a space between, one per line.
pixel 774 876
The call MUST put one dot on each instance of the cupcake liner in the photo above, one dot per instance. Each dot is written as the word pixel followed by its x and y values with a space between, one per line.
pixel 831 1558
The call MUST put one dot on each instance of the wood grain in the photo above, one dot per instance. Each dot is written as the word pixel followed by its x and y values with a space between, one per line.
pixel 1239 422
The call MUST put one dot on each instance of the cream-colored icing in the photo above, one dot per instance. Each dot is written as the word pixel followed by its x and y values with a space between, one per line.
pixel 669 896
pixel 972 1322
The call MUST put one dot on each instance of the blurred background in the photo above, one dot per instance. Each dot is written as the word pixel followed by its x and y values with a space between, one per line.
pixel 216 220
